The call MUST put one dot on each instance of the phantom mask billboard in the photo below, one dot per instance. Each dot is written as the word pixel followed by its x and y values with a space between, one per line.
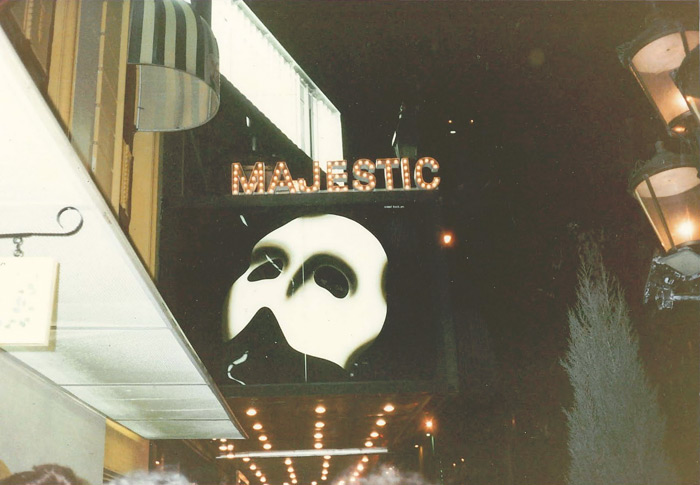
pixel 307 294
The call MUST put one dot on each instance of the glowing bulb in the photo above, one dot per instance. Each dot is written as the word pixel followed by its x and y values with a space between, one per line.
pixel 365 459
pixel 262 437
pixel 327 457
pixel 381 422
pixel 318 436
pixel 360 467
pixel 686 229
pixel 326 464
pixel 320 409
pixel 320 424
pixel 290 469
pixel 374 434
pixel 369 444
pixel 447 238
pixel 251 412
pixel 318 446
pixel 429 424
pixel 253 467
pixel 257 426
pixel 258 473
pixel 246 459
pixel 267 446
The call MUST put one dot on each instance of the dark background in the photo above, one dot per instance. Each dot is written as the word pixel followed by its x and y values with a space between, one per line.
pixel 558 125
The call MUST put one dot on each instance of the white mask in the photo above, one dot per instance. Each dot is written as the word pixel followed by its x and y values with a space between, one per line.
pixel 322 277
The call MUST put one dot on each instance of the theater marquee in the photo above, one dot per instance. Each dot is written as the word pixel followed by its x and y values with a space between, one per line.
pixel 364 177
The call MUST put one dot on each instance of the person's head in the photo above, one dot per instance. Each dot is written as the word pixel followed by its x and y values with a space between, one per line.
pixel 49 474
pixel 151 478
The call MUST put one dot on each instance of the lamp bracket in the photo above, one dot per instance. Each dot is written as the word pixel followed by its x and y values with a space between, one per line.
pixel 667 285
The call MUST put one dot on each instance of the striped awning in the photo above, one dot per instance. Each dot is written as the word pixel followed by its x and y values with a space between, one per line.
pixel 177 66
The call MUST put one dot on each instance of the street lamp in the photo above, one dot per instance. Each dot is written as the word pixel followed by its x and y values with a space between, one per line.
pixel 687 80
pixel 653 57
pixel 668 189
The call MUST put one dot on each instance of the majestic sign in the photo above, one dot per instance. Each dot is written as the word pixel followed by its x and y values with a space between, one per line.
pixel 363 171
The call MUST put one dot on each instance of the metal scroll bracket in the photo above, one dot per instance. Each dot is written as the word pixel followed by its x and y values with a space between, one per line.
pixel 66 230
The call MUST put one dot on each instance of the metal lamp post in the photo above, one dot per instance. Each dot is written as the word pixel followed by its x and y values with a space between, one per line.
pixel 668 189
pixel 653 57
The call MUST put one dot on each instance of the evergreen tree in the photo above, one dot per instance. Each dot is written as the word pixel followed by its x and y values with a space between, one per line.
pixel 616 430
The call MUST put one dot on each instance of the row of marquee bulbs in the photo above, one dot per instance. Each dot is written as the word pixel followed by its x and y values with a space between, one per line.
pixel 363 171
pixel 318 435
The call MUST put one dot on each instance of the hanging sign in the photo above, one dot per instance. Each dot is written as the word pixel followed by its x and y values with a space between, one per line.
pixel 27 299
pixel 364 177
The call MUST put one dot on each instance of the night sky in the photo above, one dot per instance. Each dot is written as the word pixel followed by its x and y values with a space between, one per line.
pixel 558 124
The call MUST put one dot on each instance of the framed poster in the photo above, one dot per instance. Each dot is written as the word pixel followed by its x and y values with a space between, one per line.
pixel 316 290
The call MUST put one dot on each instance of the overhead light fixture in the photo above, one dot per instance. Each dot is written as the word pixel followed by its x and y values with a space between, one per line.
pixel 320 424
pixel 668 189
pixel 318 436
pixel 381 422
pixel 320 409
pixel 177 81
pixel 365 459
pixel 304 453
pixel 262 437
pixel 318 446
pixel 288 461
pixel 653 57
pixel 257 426
pixel 374 434
pixel 267 446
pixel 388 408
pixel 251 412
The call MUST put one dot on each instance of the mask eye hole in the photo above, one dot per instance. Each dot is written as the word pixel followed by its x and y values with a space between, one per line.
pixel 333 280
pixel 268 270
